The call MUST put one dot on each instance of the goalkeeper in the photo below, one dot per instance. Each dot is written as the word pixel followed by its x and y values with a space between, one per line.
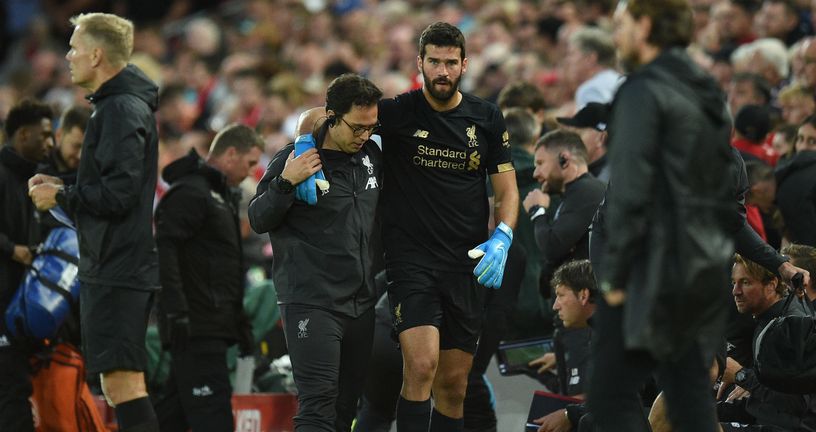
pixel 318 201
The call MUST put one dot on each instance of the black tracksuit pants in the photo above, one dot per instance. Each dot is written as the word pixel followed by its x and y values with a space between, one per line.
pixel 618 375
pixel 199 395
pixel 15 387
pixel 330 353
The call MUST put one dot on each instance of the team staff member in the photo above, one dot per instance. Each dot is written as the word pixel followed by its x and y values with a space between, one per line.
pixel 112 205
pixel 440 145
pixel 201 303
pixel 64 159
pixel 667 226
pixel 561 168
pixel 28 127
pixel 322 268
pixel 575 292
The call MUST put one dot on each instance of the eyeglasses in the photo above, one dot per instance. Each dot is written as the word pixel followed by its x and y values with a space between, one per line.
pixel 360 130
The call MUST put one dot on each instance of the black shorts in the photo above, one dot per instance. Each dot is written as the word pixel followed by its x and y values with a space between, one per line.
pixel 453 302
pixel 114 323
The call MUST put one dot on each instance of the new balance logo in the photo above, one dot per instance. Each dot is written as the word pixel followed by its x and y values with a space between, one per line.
pixel 421 133
pixel 202 391
pixel 303 332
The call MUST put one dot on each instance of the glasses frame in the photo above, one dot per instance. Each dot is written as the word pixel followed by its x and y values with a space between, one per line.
pixel 358 131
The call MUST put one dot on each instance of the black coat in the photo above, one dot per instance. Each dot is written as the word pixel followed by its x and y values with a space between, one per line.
pixel 18 220
pixel 566 237
pixel 323 252
pixel 796 197
pixel 746 241
pixel 199 241
pixel 112 201
pixel 671 209
pixel 772 408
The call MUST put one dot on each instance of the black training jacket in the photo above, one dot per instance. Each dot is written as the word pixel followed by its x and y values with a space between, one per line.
pixel 199 240
pixel 796 197
pixel 112 201
pixel 322 254
pixel 670 214
pixel 18 220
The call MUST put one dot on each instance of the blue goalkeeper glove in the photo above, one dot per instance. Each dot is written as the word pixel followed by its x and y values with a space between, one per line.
pixel 490 270
pixel 306 190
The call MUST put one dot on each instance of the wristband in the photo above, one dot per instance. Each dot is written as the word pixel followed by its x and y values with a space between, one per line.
pixel 537 211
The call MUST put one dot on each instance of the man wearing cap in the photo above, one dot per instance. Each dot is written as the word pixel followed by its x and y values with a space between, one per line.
pixel 590 124
pixel 752 124
pixel 561 168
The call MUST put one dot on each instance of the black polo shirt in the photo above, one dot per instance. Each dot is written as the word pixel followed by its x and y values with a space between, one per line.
pixel 434 197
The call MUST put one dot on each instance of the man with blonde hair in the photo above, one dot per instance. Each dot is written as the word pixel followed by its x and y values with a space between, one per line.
pixel 112 205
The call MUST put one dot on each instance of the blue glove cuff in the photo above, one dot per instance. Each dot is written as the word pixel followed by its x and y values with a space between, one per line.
pixel 505 229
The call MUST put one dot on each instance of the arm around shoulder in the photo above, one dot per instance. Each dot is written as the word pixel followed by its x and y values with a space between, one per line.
pixel 270 205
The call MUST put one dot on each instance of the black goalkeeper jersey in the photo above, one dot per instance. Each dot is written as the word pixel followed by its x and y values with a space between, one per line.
pixel 434 197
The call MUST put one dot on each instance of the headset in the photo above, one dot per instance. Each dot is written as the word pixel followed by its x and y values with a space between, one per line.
pixel 562 160
pixel 331 120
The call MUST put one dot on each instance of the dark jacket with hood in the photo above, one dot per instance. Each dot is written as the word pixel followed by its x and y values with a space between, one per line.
pixel 18 220
pixel 796 197
pixel 112 201
pixel 772 408
pixel 671 207
pixel 199 240
pixel 323 252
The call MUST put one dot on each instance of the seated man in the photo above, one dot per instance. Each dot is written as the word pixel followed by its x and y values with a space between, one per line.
pixel 759 293
pixel 575 292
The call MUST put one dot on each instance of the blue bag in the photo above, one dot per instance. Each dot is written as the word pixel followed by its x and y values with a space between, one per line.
pixel 50 289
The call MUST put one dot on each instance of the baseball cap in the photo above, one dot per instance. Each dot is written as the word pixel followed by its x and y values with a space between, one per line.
pixel 593 115
pixel 753 122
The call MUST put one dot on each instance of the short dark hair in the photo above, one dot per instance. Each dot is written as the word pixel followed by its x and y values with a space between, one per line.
pixel 442 34
pixel 348 90
pixel 803 256
pixel 521 94
pixel 577 275
pixel 672 21
pixel 170 92
pixel 760 84
pixel 758 171
pixel 27 112
pixel 75 116
pixel 790 6
pixel 521 126
pixel 249 73
pixel 605 6
pixel 789 131
pixel 810 120
pixel 560 140
pixel 749 6
pixel 242 137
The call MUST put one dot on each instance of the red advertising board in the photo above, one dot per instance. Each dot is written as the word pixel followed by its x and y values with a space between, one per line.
pixel 258 412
